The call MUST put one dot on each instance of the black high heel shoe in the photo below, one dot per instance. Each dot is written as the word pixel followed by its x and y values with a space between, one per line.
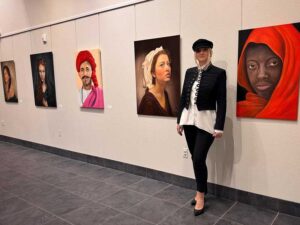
pixel 198 212
pixel 193 202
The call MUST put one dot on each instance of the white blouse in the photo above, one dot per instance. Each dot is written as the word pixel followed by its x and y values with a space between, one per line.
pixel 204 119
pixel 83 94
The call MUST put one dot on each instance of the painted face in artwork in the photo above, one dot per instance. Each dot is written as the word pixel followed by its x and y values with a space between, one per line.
pixel 42 72
pixel 6 75
pixel 162 69
pixel 263 68
pixel 85 73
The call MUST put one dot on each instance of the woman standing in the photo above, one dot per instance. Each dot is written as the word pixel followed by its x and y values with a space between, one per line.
pixel 157 74
pixel 202 113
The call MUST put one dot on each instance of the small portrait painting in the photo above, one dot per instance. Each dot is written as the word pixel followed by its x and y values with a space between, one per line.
pixel 268 72
pixel 89 79
pixel 157 66
pixel 9 81
pixel 43 79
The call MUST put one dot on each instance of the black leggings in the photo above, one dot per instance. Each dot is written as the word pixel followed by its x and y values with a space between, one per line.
pixel 199 142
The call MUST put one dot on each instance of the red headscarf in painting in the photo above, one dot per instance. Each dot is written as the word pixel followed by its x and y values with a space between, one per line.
pixel 284 41
pixel 87 56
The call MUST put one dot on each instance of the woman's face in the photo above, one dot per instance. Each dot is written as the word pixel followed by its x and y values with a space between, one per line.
pixel 42 72
pixel 85 73
pixel 163 68
pixel 202 55
pixel 5 75
pixel 263 69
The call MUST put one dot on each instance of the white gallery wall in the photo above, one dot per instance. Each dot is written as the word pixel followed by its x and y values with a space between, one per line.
pixel 255 155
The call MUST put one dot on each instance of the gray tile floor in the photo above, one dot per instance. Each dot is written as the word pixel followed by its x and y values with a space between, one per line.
pixel 38 188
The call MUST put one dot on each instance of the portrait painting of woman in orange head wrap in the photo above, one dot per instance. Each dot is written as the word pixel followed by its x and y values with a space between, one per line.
pixel 268 72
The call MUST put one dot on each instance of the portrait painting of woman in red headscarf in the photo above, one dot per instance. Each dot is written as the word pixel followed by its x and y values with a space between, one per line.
pixel 268 72
pixel 89 79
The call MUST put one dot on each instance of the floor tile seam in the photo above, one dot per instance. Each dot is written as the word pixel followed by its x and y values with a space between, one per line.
pixel 27 157
pixel 222 216
pixel 92 203
pixel 124 212
pixel 66 159
pixel 16 213
pixel 228 220
pixel 70 191
pixel 144 178
pixel 119 185
pixel 44 182
pixel 68 222
pixel 147 197
pixel 165 188
pixel 165 218
pixel 23 149
pixel 169 185
pixel 124 185
pixel 91 177
pixel 137 192
pixel 127 187
pixel 127 213
pixel 62 195
pixel 104 197
pixel 160 190
pixel 27 176
pixel 167 215
pixel 275 218
pixel 45 210
pixel 95 201
pixel 53 185
pixel 79 175
pixel 6 167
pixel 15 196
pixel 152 196
pixel 170 201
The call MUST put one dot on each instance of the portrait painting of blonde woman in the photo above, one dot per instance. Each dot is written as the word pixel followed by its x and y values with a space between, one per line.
pixel 157 64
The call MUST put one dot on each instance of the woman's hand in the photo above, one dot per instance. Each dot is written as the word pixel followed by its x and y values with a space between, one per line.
pixel 179 129
pixel 217 134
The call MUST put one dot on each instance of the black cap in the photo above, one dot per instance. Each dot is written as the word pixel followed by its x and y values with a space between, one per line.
pixel 202 43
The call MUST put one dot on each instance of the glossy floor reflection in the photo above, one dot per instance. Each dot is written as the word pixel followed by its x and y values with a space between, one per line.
pixel 38 188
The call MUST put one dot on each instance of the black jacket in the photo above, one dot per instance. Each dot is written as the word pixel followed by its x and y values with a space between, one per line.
pixel 211 93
